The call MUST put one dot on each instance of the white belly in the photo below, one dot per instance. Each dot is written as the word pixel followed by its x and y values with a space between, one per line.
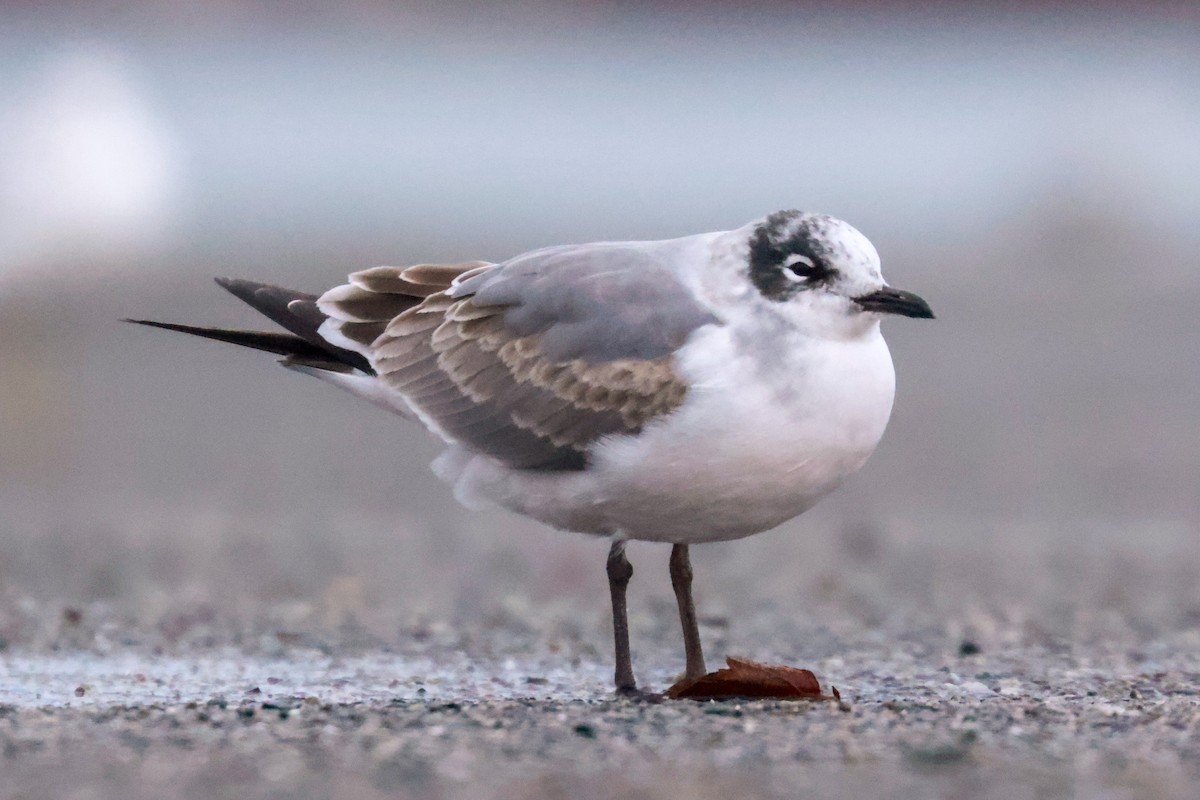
pixel 760 438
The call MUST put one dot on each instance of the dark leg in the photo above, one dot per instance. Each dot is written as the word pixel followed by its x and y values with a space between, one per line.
pixel 619 573
pixel 681 581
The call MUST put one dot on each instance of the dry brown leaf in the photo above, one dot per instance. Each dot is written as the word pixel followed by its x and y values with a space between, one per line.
pixel 750 679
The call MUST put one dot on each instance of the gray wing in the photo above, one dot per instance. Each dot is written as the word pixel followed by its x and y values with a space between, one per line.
pixel 598 302
pixel 529 361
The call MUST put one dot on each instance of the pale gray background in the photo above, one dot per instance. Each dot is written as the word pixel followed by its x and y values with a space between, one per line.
pixel 1034 174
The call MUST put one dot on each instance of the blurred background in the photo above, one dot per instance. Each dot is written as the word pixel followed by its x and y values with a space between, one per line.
pixel 1034 171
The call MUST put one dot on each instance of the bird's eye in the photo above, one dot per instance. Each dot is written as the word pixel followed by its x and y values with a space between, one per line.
pixel 800 268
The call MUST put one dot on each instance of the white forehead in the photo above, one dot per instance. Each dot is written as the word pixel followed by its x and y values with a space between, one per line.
pixel 846 248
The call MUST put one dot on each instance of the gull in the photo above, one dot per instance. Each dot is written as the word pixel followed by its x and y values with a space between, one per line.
pixel 682 391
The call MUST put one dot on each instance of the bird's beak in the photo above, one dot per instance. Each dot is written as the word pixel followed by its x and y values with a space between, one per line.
pixel 894 301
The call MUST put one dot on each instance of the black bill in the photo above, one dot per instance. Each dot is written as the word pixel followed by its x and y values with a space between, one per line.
pixel 895 301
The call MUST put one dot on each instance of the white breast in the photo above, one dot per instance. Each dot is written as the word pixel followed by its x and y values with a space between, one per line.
pixel 767 429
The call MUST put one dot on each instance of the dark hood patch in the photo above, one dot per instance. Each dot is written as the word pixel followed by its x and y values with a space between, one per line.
pixel 781 235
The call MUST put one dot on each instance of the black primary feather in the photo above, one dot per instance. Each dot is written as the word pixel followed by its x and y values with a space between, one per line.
pixel 295 311
pixel 273 303
pixel 283 344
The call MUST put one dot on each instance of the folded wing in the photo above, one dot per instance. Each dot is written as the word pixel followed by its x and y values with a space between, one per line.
pixel 530 361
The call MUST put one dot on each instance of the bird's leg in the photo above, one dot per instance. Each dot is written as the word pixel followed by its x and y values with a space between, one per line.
pixel 619 573
pixel 681 581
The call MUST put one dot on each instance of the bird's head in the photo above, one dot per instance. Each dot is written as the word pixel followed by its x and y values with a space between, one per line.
pixel 823 269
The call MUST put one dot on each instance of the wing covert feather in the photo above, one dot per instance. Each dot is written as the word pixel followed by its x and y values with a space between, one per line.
pixel 530 361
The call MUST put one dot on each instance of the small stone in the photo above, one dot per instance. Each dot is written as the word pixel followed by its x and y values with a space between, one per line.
pixel 722 710
pixel 941 755
pixel 969 648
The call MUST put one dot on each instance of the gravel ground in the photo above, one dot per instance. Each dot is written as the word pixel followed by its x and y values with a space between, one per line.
pixel 507 712
pixel 216 655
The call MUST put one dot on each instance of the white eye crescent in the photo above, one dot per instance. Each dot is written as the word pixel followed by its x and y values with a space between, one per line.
pixel 793 260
